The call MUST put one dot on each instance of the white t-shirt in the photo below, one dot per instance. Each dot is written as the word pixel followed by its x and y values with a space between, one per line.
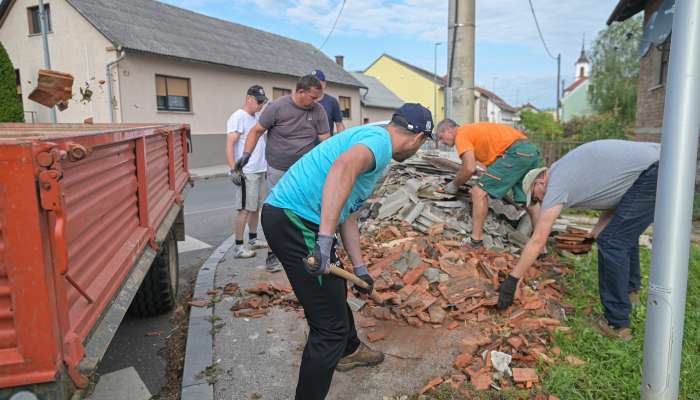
pixel 241 122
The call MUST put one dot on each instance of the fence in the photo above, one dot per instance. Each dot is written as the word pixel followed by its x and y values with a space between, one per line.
pixel 552 150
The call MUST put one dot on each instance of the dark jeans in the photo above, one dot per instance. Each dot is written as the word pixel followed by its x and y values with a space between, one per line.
pixel 332 333
pixel 618 247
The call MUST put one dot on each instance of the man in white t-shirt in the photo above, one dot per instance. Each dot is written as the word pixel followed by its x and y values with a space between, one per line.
pixel 249 185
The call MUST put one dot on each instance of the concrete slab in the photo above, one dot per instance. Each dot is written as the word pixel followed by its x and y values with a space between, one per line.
pixel 122 384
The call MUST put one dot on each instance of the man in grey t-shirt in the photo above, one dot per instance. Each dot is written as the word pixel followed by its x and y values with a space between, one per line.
pixel 617 177
pixel 295 124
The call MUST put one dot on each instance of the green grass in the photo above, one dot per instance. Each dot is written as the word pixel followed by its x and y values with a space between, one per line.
pixel 614 368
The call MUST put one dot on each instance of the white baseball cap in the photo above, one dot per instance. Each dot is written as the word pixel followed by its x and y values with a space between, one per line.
pixel 529 183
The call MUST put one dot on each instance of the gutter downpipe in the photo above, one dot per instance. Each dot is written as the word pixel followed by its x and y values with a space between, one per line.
pixel 108 76
pixel 44 26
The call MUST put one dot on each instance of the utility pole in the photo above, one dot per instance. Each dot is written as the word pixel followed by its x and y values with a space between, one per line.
pixel 47 57
pixel 558 87
pixel 668 279
pixel 461 33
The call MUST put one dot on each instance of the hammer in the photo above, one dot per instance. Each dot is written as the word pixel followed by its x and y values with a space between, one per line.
pixel 352 278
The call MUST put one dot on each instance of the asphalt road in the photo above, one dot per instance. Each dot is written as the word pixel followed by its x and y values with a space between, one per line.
pixel 208 220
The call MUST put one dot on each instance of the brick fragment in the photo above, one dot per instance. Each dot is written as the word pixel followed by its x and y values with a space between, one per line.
pixel 414 275
pixel 524 375
pixel 500 263
pixel 482 381
pixel 368 323
pixel 200 303
pixel 462 360
pixel 453 325
pixel 431 384
pixel 515 342
pixel 376 336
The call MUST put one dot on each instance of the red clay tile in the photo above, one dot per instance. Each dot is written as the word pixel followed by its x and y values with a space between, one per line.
pixel 453 325
pixel 414 275
pixel 376 336
pixel 462 360
pixel 456 381
pixel 431 385
pixel 482 381
pixel 523 375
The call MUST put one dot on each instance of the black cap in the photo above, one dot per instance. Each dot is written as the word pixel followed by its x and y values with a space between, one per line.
pixel 258 92
pixel 415 118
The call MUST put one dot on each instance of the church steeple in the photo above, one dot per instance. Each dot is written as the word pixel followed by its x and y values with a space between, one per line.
pixel 583 65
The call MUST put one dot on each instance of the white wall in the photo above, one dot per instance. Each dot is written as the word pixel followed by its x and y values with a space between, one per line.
pixel 75 47
pixel 216 91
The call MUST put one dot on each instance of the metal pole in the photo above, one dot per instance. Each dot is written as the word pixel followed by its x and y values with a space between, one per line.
pixel 47 57
pixel 558 87
pixel 663 337
pixel 435 116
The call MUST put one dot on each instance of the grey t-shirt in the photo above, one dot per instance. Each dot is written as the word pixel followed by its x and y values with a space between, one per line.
pixel 291 130
pixel 597 174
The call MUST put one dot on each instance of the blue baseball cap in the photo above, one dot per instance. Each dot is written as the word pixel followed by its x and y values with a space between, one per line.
pixel 318 74
pixel 415 118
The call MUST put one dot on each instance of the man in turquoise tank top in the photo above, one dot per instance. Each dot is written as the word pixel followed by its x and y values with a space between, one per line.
pixel 316 198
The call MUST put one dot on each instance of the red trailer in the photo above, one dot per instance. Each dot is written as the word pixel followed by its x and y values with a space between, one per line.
pixel 90 216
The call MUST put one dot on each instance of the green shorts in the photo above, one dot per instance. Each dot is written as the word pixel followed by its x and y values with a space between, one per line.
pixel 508 171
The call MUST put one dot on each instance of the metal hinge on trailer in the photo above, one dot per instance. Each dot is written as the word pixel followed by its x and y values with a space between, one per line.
pixel 49 157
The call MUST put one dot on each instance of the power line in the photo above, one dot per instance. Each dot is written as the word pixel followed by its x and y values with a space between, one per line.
pixel 540 31
pixel 342 6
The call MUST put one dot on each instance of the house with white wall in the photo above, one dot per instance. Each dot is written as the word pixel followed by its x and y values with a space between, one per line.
pixel 161 64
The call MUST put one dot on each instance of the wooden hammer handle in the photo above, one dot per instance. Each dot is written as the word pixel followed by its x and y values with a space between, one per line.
pixel 355 280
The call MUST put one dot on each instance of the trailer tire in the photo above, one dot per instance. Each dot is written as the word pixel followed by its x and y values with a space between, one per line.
pixel 158 291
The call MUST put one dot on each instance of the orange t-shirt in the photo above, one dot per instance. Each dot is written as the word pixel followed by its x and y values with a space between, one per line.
pixel 488 140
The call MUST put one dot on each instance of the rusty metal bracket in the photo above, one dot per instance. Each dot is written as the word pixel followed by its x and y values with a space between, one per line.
pixel 152 239
pixel 178 199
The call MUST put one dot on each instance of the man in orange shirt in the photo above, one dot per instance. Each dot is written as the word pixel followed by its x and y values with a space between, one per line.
pixel 507 156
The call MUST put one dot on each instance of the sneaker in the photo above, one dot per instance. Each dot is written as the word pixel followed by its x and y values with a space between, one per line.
pixel 635 300
pixel 242 251
pixel 362 357
pixel 272 264
pixel 604 328
pixel 257 244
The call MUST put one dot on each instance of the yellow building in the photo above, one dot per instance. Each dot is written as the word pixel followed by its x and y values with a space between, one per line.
pixel 410 83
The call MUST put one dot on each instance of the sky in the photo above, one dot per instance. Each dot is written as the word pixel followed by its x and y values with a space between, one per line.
pixel 510 58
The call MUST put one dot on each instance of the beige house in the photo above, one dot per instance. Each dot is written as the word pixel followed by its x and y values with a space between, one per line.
pixel 165 65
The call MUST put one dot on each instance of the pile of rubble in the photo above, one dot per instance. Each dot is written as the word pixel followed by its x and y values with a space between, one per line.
pixel 265 296
pixel 412 193
pixel 414 241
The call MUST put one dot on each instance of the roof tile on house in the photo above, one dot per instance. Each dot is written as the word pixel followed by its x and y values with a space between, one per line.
pixel 420 71
pixel 576 84
pixel 377 95
pixel 496 99
pixel 153 27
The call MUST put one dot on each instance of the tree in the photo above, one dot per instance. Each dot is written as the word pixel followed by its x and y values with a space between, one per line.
pixel 615 71
pixel 595 127
pixel 540 125
pixel 10 103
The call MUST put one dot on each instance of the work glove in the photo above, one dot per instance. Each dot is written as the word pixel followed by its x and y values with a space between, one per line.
pixel 236 177
pixel 242 161
pixel 506 293
pixel 362 273
pixel 450 188
pixel 322 255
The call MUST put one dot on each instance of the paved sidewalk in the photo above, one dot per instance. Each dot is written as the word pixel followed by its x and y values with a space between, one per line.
pixel 259 358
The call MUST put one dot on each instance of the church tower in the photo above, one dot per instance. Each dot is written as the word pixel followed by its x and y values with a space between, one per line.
pixel 583 66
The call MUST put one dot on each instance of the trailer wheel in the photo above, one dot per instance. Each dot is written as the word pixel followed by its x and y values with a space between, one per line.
pixel 158 291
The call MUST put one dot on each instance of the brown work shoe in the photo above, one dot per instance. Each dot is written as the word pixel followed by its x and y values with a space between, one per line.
pixel 362 357
pixel 635 300
pixel 604 328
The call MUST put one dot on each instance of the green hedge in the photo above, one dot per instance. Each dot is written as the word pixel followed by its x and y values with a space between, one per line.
pixel 10 103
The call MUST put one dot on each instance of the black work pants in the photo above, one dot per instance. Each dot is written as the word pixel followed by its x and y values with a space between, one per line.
pixel 332 333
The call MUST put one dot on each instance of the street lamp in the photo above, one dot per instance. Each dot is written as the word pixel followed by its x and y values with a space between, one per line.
pixel 435 79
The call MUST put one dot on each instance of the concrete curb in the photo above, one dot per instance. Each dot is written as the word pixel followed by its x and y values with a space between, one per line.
pixel 199 352
pixel 196 177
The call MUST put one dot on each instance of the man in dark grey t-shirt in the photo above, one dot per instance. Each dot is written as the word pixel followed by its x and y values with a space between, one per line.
pixel 295 124
pixel 617 177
